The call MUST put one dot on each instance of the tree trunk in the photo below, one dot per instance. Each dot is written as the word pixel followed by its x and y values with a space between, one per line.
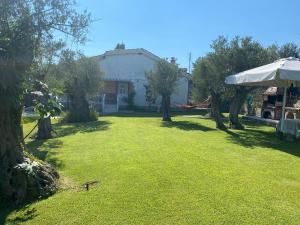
pixel 236 105
pixel 166 101
pixel 79 108
pixel 11 150
pixel 20 177
pixel 215 111
pixel 44 128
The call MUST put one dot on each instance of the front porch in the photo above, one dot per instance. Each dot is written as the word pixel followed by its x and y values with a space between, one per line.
pixel 115 95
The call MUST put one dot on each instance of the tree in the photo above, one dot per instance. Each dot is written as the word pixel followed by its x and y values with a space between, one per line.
pixel 46 103
pixel 24 26
pixel 228 58
pixel 272 53
pixel 204 74
pixel 149 96
pixel 289 50
pixel 208 77
pixel 83 78
pixel 163 80
pixel 120 46
pixel 244 54
pixel 47 106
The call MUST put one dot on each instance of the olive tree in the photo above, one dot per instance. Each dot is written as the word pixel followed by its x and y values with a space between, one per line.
pixel 208 80
pixel 83 78
pixel 163 81
pixel 244 54
pixel 226 58
pixel 24 26
pixel 47 106
pixel 289 50
pixel 41 73
pixel 208 77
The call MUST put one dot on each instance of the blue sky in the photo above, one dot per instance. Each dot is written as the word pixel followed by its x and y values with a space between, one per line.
pixel 175 28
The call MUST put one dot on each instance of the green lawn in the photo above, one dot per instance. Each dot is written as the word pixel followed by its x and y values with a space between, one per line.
pixel 185 172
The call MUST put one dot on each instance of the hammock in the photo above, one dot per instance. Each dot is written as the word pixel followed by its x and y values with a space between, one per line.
pixel 185 106
pixel 204 105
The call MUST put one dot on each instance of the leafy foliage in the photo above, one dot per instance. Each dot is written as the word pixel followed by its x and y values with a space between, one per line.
pixel 120 46
pixel 25 27
pixel 210 71
pixel 163 78
pixel 235 56
pixel 163 81
pixel 77 116
pixel 46 103
pixel 130 99
pixel 82 78
pixel 150 97
pixel 245 53
pixel 80 73
pixel 226 58
pixel 289 50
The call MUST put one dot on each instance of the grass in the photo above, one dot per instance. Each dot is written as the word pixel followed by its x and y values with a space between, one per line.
pixel 185 172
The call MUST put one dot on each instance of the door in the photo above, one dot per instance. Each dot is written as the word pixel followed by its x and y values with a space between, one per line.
pixel 123 93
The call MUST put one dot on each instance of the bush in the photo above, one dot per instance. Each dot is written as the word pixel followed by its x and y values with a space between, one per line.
pixel 77 117
pixel 130 100
pixel 26 119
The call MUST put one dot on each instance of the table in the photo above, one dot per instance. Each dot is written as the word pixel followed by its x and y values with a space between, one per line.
pixel 290 126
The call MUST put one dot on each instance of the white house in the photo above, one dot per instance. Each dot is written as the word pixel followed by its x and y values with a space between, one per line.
pixel 125 73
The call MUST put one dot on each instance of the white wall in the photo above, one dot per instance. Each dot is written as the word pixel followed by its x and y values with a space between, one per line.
pixel 181 93
pixel 132 67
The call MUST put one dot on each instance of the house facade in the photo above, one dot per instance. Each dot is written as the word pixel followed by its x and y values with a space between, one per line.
pixel 125 82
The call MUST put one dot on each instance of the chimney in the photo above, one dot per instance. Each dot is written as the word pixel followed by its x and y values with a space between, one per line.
pixel 173 60
pixel 184 70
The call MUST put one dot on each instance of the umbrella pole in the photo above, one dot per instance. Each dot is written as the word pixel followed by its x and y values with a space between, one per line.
pixel 283 108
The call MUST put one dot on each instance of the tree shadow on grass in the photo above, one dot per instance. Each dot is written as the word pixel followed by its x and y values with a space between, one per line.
pixel 133 114
pixel 254 124
pixel 49 149
pixel 142 114
pixel 7 208
pixel 186 125
pixel 253 136
pixel 65 129
pixel 46 150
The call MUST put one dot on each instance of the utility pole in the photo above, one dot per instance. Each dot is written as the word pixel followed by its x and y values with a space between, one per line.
pixel 190 60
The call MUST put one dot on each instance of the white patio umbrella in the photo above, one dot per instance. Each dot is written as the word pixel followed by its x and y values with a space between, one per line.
pixel 281 73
